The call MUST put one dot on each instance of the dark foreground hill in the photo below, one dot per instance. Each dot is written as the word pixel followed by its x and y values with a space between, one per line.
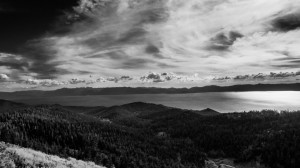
pixel 166 137
pixel 6 105
pixel 140 113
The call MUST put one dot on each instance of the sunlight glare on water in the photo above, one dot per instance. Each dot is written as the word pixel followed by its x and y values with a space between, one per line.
pixel 220 101
pixel 283 100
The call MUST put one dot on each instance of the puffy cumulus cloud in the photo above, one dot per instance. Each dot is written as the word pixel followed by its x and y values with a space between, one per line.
pixel 43 83
pixel 125 78
pixel 75 81
pixel 158 77
pixel 153 77
pixel 283 74
pixel 222 78
pixel 260 76
pixel 3 77
pixel 117 79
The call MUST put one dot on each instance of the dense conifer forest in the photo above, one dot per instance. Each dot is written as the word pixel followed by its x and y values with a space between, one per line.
pixel 161 137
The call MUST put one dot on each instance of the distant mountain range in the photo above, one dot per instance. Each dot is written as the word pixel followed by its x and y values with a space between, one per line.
pixel 150 90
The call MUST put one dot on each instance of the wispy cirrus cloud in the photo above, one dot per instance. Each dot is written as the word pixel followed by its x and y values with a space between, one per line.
pixel 205 36
pixel 133 37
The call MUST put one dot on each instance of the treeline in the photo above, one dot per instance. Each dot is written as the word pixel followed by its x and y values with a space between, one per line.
pixel 168 139
pixel 268 137
pixel 56 131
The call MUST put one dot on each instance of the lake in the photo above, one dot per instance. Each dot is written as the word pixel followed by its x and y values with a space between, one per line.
pixel 220 101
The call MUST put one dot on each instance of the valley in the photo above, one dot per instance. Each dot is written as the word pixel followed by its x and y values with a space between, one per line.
pixel 150 135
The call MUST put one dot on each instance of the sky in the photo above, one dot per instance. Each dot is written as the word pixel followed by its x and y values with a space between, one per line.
pixel 152 43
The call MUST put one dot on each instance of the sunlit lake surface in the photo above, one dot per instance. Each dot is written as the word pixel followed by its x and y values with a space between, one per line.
pixel 222 102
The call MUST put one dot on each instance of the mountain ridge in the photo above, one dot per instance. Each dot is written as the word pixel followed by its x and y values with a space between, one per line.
pixel 150 90
pixel 134 113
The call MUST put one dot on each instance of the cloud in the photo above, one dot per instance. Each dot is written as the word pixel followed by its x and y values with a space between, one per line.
pixel 13 62
pixel 132 37
pixel 222 78
pixel 135 64
pixel 154 77
pixel 223 41
pixel 43 83
pixel 126 78
pixel 3 78
pixel 152 49
pixel 75 81
pixel 259 76
pixel 116 79
pixel 287 22
pixel 43 57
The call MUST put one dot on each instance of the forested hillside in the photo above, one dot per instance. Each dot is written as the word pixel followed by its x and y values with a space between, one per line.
pixel 68 134
pixel 155 136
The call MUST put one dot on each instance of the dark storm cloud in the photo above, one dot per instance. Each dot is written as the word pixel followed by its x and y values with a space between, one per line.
pixel 223 41
pixel 287 23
